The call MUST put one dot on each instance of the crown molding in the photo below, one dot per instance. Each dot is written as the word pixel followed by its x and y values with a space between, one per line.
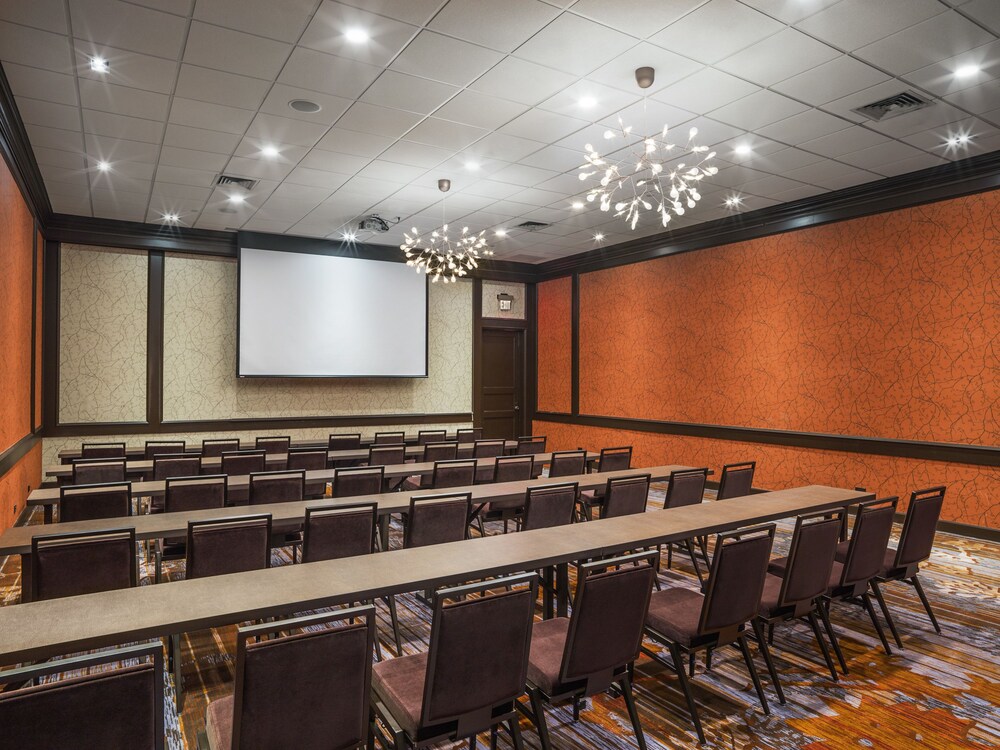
pixel 16 150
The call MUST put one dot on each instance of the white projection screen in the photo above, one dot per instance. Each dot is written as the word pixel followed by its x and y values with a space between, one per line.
pixel 322 316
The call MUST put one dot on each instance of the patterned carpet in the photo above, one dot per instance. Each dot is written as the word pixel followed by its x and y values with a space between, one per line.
pixel 939 692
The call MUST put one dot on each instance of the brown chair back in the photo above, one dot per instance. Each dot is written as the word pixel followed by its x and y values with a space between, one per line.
pixel 686 487
pixel 869 540
pixel 390 438
pixel 503 620
pixel 217 446
pixel 194 493
pixel 156 448
pixel 615 459
pixel 309 459
pixel 337 531
pixel 549 505
pixel 344 442
pixel 514 468
pixel 165 467
pixel 568 463
pixel 82 563
pixel 609 612
pixel 98 470
pixel 331 668
pixel 277 487
pixel 488 448
pixel 234 545
pixel 116 707
pixel 624 496
pixel 530 445
pixel 736 480
pixel 440 452
pixel 274 444
pixel 431 436
pixel 468 435
pixel 811 555
pixel 387 455
pixel 437 519
pixel 735 581
pixel 84 502
pixel 243 463
pixel 102 450
pixel 458 473
pixel 917 538
pixel 355 481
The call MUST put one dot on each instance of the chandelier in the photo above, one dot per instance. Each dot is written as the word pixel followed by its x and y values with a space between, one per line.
pixel 442 257
pixel 651 175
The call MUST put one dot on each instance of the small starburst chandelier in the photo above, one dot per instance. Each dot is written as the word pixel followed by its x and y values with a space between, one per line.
pixel 444 258
pixel 646 177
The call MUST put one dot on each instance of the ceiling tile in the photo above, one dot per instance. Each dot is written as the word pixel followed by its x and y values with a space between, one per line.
pixel 172 190
pixel 217 87
pixel 54 157
pixel 129 27
pixel 285 130
pixel 782 161
pixel 367 118
pixel 444 134
pixel 522 81
pixel 123 100
pixel 316 178
pixel 620 72
pixel 200 139
pixel 39 49
pixel 715 31
pixel 706 90
pixel 209 116
pixel 491 189
pixel 844 141
pixel 408 92
pixel 190 159
pixel 182 176
pixel 936 139
pixel 412 11
pixel 177 7
pixel 804 126
pixel 60 174
pixel 386 36
pixel 391 172
pixel 639 18
pixel 416 154
pixel 127 68
pixel 539 125
pixel 234 52
pixel 832 175
pixel 252 147
pixel 444 59
pixel 925 43
pixel 585 100
pixel 913 164
pixel 854 23
pixel 480 110
pixel 830 81
pixel 758 109
pixel 120 126
pixel 986 12
pixel 520 174
pixel 940 77
pixel 49 15
pixel 558 159
pixel 884 153
pixel 790 11
pixel 41 84
pixel 283 20
pixel 330 161
pixel 977 99
pixel 778 57
pixel 49 114
pixel 104 148
pixel 306 193
pixel 502 26
pixel 351 142
pixel 62 204
pixel 506 147
pixel 574 45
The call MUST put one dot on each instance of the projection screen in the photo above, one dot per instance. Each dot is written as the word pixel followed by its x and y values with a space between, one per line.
pixel 324 316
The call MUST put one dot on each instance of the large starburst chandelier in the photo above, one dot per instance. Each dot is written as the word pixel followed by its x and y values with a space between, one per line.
pixel 443 257
pixel 651 175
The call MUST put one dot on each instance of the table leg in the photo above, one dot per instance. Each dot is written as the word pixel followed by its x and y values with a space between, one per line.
pixel 562 589
pixel 26 577
pixel 47 513
pixel 547 584
pixel 383 531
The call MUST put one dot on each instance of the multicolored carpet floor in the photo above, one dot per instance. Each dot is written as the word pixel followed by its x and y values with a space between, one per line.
pixel 941 691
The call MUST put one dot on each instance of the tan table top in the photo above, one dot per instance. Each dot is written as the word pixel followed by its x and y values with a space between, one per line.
pixel 39 630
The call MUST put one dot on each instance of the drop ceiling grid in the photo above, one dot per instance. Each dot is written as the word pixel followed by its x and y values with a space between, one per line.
pixel 315 209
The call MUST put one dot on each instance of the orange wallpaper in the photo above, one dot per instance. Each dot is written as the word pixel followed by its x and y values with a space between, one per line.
pixel 555 345
pixel 15 485
pixel 973 491
pixel 882 326
pixel 16 236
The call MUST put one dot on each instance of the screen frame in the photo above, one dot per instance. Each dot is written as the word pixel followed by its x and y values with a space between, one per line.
pixel 332 249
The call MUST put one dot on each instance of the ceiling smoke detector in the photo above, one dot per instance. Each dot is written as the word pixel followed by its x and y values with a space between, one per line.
pixel 305 106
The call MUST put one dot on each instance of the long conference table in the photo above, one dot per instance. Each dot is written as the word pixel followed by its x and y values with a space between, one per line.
pixel 41 630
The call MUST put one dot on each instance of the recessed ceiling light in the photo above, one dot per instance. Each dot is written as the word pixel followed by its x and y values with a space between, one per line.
pixel 734 201
pixel 966 71
pixel 587 102
pixel 99 65
pixel 472 166
pixel 171 218
pixel 577 204
pixel 501 233
pixel 305 106
pixel 103 166
pixel 350 236
pixel 356 36
pixel 743 149
pixel 959 140
pixel 237 199
pixel 599 236
pixel 269 151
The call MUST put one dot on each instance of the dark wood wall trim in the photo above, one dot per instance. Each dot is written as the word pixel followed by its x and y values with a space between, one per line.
pixel 477 352
pixel 35 333
pixel 10 457
pixel 154 339
pixel 926 451
pixel 530 355
pixel 575 346
pixel 973 175
pixel 16 150
pixel 50 334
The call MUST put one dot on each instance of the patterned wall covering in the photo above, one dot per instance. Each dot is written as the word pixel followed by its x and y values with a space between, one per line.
pixel 199 378
pixel 973 495
pixel 16 237
pixel 15 485
pixel 491 307
pixel 102 334
pixel 555 345
pixel 882 326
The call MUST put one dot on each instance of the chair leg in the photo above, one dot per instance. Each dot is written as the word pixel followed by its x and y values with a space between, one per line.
pixel 675 655
pixel 742 641
pixel 670 554
pixel 493 737
pixel 538 709
pixel 175 648
pixel 691 663
pixel 877 590
pixel 626 687
pixel 867 601
pixel 923 600
pixel 824 615
pixel 515 733
pixel 694 561
pixel 391 602
pixel 814 623
pixel 766 652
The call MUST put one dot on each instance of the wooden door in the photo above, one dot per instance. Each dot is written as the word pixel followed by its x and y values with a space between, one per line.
pixel 502 395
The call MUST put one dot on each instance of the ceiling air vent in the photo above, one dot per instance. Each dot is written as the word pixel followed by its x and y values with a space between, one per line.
pixel 893 106
pixel 532 226
pixel 244 182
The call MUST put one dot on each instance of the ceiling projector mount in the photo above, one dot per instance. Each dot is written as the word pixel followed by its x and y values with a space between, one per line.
pixel 375 223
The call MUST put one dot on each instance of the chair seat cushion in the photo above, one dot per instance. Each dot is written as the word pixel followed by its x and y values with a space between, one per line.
pixel 778 565
pixel 772 591
pixel 219 723
pixel 548 641
pixel 888 561
pixel 412 484
pixel 675 613
pixel 399 684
